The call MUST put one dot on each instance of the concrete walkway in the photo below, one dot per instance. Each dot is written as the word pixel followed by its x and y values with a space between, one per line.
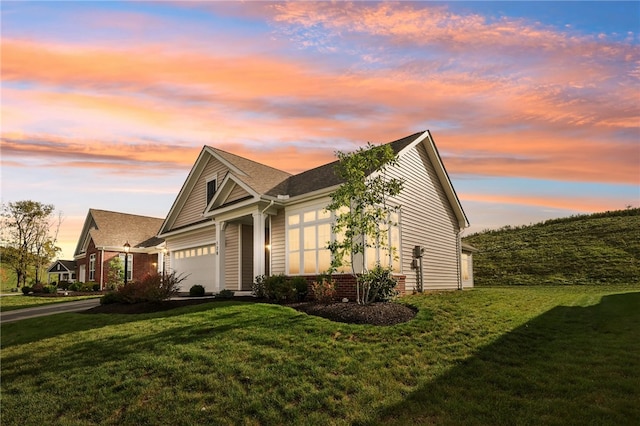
pixel 40 311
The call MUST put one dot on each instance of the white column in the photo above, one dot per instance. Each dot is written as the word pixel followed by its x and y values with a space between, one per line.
pixel 219 258
pixel 258 243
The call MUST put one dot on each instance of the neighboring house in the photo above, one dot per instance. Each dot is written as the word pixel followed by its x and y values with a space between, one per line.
pixel 103 237
pixel 235 219
pixel 64 269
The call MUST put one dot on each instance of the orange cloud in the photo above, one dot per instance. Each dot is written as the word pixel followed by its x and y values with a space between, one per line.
pixel 511 126
pixel 580 204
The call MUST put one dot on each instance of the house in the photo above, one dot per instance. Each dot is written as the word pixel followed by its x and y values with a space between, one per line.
pixel 235 219
pixel 64 269
pixel 103 237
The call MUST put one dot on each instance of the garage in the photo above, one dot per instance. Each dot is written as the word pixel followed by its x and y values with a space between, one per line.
pixel 197 264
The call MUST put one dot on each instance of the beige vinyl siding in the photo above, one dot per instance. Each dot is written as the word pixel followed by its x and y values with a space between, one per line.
pixel 427 220
pixel 231 256
pixel 193 208
pixel 277 243
pixel 237 193
pixel 201 237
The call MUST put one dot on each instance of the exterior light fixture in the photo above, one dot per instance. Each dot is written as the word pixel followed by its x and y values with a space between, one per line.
pixel 127 246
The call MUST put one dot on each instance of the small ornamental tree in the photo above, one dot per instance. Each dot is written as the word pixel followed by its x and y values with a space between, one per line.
pixel 362 209
pixel 115 273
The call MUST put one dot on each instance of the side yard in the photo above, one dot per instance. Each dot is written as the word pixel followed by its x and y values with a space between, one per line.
pixel 529 355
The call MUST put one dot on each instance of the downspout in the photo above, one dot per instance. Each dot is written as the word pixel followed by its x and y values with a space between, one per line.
pixel 269 206
pixel 458 258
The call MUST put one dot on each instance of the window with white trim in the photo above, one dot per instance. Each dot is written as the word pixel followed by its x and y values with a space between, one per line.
pixel 308 235
pixel 92 267
pixel 386 251
pixel 129 265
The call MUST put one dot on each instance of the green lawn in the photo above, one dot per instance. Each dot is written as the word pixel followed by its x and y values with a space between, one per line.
pixel 529 355
pixel 19 301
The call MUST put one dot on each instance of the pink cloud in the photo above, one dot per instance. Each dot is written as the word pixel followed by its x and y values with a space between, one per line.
pixel 579 204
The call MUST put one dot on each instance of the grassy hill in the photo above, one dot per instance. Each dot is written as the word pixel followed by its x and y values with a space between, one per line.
pixel 602 248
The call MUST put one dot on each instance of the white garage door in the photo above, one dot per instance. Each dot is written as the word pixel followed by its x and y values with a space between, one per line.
pixel 197 263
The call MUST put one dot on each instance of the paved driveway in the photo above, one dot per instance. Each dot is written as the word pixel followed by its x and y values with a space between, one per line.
pixel 56 308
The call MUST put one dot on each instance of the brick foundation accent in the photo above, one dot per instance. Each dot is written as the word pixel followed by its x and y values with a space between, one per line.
pixel 346 285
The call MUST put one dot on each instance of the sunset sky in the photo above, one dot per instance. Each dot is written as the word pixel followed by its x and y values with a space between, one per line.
pixel 534 106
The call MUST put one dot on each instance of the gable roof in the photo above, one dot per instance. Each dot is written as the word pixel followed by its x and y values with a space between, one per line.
pixel 270 182
pixel 324 176
pixel 256 176
pixel 113 229
pixel 68 265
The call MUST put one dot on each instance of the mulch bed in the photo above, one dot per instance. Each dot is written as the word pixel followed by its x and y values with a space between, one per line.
pixel 351 313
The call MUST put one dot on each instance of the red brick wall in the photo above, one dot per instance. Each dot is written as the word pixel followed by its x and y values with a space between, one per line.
pixel 346 284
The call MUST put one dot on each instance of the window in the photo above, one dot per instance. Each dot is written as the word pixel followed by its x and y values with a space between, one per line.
pixel 211 189
pixel 308 234
pixel 92 267
pixel 388 254
pixel 129 265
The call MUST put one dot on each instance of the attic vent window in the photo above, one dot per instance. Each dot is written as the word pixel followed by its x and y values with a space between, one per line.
pixel 211 189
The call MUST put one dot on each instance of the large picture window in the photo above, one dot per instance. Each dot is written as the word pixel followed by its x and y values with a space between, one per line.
pixel 386 251
pixel 308 235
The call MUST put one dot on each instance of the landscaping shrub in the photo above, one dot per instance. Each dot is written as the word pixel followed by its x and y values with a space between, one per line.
pixel 26 289
pixel 50 289
pixel 75 286
pixel 153 288
pixel 38 288
pixel 89 286
pixel 111 297
pixel 196 291
pixel 96 287
pixel 258 287
pixel 279 288
pixel 63 285
pixel 324 289
pixel 300 286
pixel 225 294
pixel 382 285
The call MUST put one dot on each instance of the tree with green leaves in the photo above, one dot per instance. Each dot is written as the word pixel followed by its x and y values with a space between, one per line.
pixel 27 240
pixel 115 273
pixel 363 212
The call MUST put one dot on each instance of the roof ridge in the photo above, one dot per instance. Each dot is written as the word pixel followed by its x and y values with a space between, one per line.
pixel 247 159
pixel 121 213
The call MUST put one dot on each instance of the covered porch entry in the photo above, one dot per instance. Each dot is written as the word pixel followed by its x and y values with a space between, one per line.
pixel 245 252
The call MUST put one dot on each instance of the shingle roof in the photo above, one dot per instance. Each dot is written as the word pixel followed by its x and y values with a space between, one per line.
pixel 324 176
pixel 258 176
pixel 113 229
pixel 70 265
